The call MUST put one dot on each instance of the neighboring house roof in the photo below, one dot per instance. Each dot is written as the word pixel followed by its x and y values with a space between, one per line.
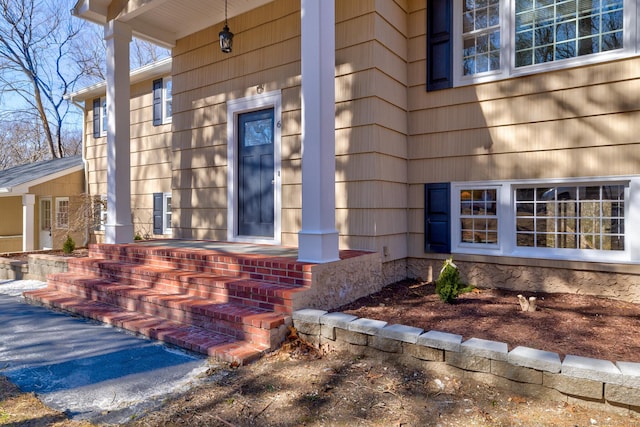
pixel 17 180
pixel 156 69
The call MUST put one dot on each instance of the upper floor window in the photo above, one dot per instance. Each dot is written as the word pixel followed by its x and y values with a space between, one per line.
pixel 162 101
pixel 547 30
pixel 100 121
pixel 471 41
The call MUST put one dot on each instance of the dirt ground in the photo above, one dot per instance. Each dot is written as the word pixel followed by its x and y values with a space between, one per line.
pixel 563 323
pixel 298 386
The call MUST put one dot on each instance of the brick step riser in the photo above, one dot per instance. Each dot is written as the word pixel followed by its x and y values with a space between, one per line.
pixel 224 270
pixel 273 271
pixel 249 296
pixel 209 320
pixel 253 295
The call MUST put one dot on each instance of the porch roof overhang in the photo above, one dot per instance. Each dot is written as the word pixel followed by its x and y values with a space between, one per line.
pixel 162 22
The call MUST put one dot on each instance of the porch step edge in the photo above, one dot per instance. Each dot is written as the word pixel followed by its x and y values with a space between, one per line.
pixel 213 344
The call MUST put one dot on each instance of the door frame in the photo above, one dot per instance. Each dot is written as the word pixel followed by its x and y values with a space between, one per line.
pixel 40 213
pixel 236 107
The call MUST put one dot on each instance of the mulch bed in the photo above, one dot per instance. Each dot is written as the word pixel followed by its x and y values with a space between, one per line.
pixel 563 323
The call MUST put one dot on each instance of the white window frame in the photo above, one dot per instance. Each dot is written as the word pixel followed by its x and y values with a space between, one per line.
pixel 100 212
pixel 59 201
pixel 166 213
pixel 104 122
pixel 507 37
pixel 167 97
pixel 506 212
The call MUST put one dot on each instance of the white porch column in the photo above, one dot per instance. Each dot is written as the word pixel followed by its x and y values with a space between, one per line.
pixel 119 228
pixel 318 239
pixel 28 222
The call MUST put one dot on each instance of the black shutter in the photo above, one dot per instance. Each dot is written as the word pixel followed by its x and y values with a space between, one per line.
pixel 439 44
pixel 157 102
pixel 157 213
pixel 96 118
pixel 437 212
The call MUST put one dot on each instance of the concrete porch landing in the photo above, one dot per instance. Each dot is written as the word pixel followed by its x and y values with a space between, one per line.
pixel 231 301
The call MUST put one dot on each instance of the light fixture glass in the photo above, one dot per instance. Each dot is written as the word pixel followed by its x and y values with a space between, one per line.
pixel 226 36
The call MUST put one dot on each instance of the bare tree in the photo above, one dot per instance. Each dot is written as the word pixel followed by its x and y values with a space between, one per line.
pixel 90 54
pixel 36 67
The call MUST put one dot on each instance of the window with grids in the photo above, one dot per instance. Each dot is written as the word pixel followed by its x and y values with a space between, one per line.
pixel 479 216
pixel 548 30
pixel 62 213
pixel 572 217
pixel 481 36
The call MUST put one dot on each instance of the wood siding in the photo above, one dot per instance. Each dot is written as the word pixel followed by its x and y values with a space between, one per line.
pixel 576 122
pixel 151 157
pixel 371 119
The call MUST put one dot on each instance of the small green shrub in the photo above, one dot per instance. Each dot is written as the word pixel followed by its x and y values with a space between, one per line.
pixel 137 237
pixel 69 245
pixel 449 285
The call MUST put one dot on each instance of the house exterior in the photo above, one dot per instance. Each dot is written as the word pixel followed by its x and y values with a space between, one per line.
pixel 40 204
pixel 502 133
pixel 150 150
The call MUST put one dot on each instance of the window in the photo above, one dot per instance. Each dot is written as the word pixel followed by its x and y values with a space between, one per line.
pixel 491 39
pixel 587 220
pixel 479 216
pixel 550 30
pixel 99 212
pixel 162 101
pixel 580 217
pixel 100 121
pixel 62 212
pixel 481 36
pixel 166 224
pixel 162 213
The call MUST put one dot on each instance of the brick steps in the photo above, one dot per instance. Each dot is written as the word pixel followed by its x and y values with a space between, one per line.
pixel 242 321
pixel 257 293
pixel 214 344
pixel 231 306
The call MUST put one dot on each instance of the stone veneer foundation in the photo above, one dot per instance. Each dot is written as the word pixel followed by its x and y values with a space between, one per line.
pixel 600 384
pixel 615 281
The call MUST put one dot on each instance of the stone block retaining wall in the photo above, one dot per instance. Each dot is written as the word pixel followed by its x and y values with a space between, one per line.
pixel 524 371
pixel 36 268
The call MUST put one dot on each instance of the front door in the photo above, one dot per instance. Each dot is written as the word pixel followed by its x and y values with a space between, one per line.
pixel 256 173
pixel 46 239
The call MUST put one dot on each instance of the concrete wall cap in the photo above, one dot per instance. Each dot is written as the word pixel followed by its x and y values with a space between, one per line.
pixel 337 320
pixel 308 315
pixel 404 333
pixel 536 359
pixel 630 373
pixel 592 369
pixel 440 340
pixel 367 326
pixel 485 348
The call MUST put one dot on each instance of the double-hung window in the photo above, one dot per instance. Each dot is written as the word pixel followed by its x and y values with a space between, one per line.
pixel 492 39
pixel 100 121
pixel 162 101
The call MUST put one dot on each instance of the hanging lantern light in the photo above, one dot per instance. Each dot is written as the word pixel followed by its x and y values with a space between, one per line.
pixel 226 36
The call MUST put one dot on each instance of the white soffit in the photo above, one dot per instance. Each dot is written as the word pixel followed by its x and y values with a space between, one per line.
pixel 163 21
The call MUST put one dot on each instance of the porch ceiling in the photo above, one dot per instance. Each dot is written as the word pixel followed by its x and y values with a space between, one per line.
pixel 162 21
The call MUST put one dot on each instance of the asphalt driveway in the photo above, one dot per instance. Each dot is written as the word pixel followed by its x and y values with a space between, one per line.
pixel 86 369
